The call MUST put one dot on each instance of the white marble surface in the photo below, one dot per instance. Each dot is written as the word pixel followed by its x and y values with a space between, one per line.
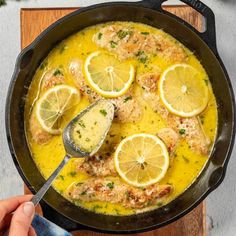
pixel 221 210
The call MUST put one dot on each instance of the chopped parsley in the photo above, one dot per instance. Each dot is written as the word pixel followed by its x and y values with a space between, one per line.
pixel 81 123
pixel 127 98
pixel 96 207
pixel 160 204
pixel 110 185
pixel 61 177
pixel 113 44
pixel 99 35
pixel 103 112
pixel 83 193
pixel 78 132
pixel 145 33
pixel 122 33
pixel 185 159
pixel 142 57
pixel 57 72
pixel 72 173
pixel 182 131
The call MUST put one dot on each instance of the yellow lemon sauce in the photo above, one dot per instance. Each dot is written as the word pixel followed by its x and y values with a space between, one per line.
pixel 185 164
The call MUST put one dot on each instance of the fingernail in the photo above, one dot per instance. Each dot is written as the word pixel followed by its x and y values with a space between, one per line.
pixel 28 209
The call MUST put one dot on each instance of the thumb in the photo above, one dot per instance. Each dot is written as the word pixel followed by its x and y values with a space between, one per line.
pixel 22 219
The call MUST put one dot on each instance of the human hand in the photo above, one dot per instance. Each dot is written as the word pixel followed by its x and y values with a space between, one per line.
pixel 19 223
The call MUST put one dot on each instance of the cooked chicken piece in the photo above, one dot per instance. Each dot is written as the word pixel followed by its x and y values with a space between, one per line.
pixel 148 81
pixel 188 128
pixel 127 109
pixel 128 42
pixel 39 135
pixel 51 79
pixel 171 50
pixel 155 103
pixel 98 166
pixel 191 130
pixel 75 69
pixel 169 137
pixel 114 191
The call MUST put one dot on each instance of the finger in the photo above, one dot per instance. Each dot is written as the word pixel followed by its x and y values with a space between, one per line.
pixel 21 220
pixel 32 232
pixel 9 205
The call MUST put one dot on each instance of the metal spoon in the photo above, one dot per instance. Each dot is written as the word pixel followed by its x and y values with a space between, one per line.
pixel 95 111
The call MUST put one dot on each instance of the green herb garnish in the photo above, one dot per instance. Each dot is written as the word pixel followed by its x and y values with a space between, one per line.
pixel 84 193
pixel 81 123
pixel 99 35
pixel 103 112
pixel 127 98
pixel 61 177
pixel 113 44
pixel 182 131
pixel 57 72
pixel 142 57
pixel 185 159
pixel 145 33
pixel 122 34
pixel 110 185
pixel 73 173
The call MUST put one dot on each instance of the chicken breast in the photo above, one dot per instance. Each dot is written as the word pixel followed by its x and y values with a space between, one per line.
pixel 155 103
pixel 114 191
pixel 128 42
pixel 97 166
pixel 39 135
pixel 148 81
pixel 127 109
pixel 169 137
pixel 75 68
pixel 189 129
pixel 192 131
pixel 51 79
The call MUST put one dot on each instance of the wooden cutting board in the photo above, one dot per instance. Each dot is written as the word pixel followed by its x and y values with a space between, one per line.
pixel 33 22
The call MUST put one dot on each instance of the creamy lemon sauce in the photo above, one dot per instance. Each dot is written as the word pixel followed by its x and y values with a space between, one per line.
pixel 185 165
pixel 88 131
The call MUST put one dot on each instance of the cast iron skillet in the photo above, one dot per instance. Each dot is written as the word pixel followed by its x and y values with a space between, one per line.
pixel 149 12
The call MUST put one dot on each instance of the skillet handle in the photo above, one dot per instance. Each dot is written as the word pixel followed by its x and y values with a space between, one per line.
pixel 209 36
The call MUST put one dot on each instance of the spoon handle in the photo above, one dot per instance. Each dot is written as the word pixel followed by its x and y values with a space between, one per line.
pixel 39 195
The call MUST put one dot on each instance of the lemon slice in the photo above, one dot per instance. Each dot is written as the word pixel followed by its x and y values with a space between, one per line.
pixel 141 159
pixel 183 90
pixel 52 107
pixel 107 75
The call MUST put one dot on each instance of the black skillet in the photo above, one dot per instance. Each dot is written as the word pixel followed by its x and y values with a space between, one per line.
pixel 58 209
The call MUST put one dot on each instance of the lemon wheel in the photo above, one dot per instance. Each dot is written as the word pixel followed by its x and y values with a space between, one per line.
pixel 183 90
pixel 141 159
pixel 52 108
pixel 107 75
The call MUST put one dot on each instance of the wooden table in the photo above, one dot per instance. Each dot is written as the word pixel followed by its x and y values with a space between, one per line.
pixel 33 22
